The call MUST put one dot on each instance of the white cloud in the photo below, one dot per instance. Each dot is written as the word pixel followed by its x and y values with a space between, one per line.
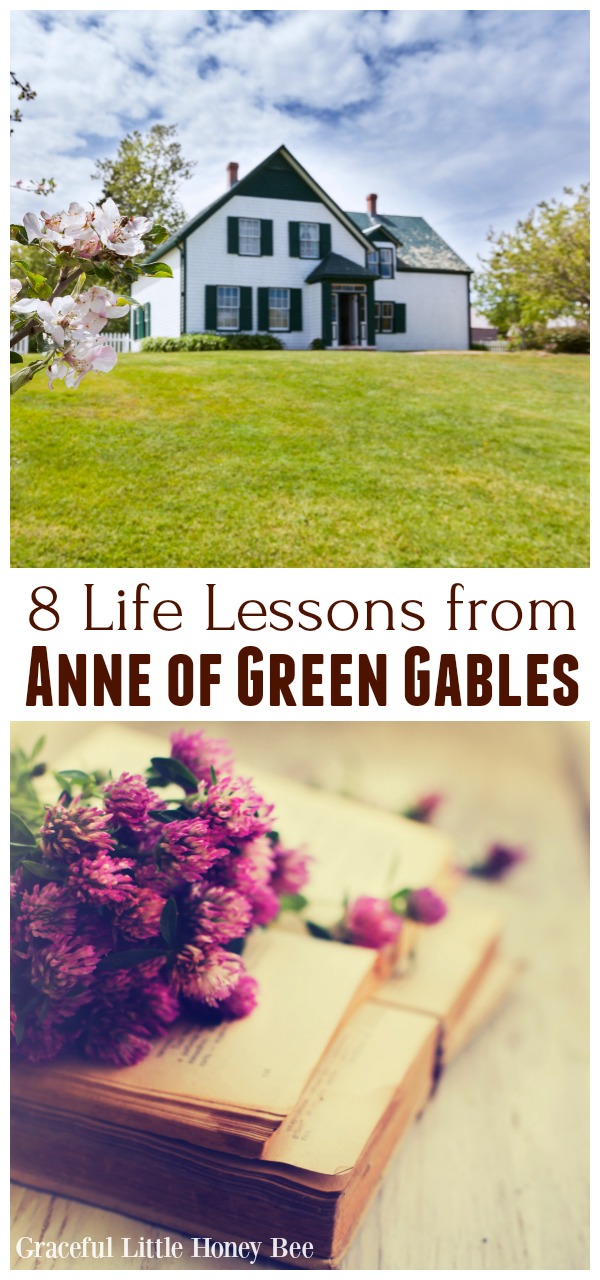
pixel 466 117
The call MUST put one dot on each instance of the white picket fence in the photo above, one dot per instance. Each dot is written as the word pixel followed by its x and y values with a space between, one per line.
pixel 119 342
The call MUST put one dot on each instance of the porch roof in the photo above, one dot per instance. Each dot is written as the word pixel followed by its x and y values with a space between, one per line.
pixel 337 268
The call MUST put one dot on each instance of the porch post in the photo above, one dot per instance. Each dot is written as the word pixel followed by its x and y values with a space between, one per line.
pixel 370 313
pixel 326 313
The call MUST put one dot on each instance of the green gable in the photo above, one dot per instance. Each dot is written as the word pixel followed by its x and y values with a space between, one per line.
pixel 276 180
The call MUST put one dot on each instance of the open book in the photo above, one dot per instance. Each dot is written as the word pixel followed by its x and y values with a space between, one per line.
pixel 321 1168
pixel 282 1123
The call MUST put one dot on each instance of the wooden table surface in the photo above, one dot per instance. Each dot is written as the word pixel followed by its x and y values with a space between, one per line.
pixel 495 1174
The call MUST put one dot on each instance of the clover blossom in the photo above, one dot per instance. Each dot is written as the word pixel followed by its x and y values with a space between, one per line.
pixel 128 801
pixel 72 831
pixel 215 914
pixel 132 910
pixel 498 861
pixel 200 754
pixel 59 966
pixel 425 906
pixel 371 922
pixel 207 978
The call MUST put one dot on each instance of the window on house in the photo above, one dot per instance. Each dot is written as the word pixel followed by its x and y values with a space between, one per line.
pixel 386 263
pixel 387 317
pixel 309 240
pixel 249 236
pixel 279 309
pixel 373 260
pixel 228 307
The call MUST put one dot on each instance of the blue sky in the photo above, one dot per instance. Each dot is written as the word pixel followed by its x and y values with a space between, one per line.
pixel 466 117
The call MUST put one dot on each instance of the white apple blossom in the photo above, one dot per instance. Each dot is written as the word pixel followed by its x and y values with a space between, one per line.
pixel 15 288
pixel 89 231
pixel 122 235
pixel 87 356
pixel 64 317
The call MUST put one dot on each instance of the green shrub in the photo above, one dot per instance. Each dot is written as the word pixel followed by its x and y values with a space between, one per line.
pixel 572 341
pixel 478 346
pixel 214 342
pixel 317 344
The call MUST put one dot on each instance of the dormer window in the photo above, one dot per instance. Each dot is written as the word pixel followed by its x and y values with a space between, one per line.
pixel 249 236
pixel 382 260
pixel 309 240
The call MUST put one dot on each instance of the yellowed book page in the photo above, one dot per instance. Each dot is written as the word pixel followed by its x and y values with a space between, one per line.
pixel 260 1063
pixel 448 956
pixel 351 1091
pixel 492 991
pixel 357 849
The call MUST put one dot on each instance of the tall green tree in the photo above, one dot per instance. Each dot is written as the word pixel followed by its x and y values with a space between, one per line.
pixel 541 270
pixel 144 176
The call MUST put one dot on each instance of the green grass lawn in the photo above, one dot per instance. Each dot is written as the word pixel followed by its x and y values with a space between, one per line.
pixel 305 458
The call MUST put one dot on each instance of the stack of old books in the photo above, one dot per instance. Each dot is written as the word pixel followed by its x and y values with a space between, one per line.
pixel 281 1124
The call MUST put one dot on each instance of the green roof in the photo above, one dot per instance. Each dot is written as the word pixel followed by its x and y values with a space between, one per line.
pixel 421 249
pixel 336 267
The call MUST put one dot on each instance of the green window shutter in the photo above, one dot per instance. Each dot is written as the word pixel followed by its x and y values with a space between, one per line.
pixel 138 323
pixel 263 310
pixel 399 317
pixel 326 312
pixel 266 237
pixel 295 310
pixel 233 235
pixel 246 309
pixel 147 323
pixel 210 307
pixel 324 239
pixel 294 230
pixel 371 313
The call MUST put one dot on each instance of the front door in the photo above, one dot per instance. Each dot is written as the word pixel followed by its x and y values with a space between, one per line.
pixel 348 319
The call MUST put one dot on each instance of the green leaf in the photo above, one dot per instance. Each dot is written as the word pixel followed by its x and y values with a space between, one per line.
pixel 74 777
pixel 293 902
pixel 19 1031
pixel 169 919
pixel 398 901
pixel 129 959
pixel 18 233
pixel 237 945
pixel 156 269
pixel 40 870
pixel 213 776
pixel 25 374
pixel 165 769
pixel 168 815
pixel 37 282
pixel 21 836
pixel 317 930
pixel 15 358
pixel 156 235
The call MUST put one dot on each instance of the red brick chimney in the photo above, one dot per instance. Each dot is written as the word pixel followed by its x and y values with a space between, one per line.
pixel 372 205
pixel 232 173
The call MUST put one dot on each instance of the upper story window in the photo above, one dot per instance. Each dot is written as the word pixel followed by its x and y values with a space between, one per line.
pixel 309 240
pixel 386 263
pixel 249 236
pixel 279 309
pixel 382 260
pixel 228 307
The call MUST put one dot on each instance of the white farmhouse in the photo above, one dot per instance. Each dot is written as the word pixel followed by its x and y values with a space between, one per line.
pixel 275 254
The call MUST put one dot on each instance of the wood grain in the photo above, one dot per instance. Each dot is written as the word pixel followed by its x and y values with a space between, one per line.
pixel 494 1175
